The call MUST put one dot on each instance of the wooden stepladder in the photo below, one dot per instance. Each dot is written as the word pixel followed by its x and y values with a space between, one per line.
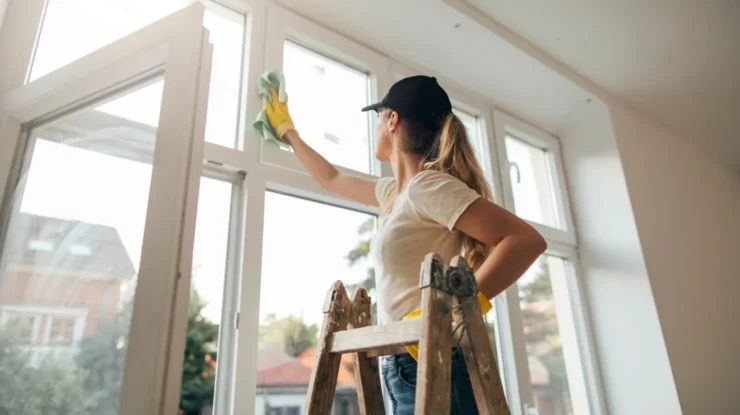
pixel 446 292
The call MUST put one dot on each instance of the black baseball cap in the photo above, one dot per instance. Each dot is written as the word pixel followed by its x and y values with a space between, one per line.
pixel 418 98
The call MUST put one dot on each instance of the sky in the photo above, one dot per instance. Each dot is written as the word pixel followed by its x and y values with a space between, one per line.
pixel 301 258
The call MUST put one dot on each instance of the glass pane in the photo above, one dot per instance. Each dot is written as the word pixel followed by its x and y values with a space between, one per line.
pixel 206 297
pixel 549 332
pixel 73 28
pixel 301 259
pixel 531 182
pixel 474 136
pixel 325 101
pixel 68 269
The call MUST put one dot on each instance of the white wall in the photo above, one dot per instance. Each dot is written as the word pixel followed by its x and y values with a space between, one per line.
pixel 687 209
pixel 634 365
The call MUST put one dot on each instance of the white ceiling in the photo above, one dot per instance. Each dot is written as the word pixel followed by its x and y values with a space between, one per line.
pixel 676 61
pixel 424 32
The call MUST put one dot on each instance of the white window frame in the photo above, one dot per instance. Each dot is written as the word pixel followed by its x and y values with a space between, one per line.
pixel 562 243
pixel 507 125
pixel 286 26
pixel 176 49
pixel 255 168
pixel 79 314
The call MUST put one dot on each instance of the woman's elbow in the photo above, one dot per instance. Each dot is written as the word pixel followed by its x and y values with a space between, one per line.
pixel 536 242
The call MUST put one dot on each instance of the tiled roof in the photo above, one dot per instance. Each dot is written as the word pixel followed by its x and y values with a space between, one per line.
pixel 308 357
pixel 276 368
pixel 67 246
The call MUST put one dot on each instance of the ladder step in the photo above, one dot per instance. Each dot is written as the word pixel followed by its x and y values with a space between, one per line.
pixel 366 339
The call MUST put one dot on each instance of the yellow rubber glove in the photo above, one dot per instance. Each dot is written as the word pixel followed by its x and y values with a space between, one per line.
pixel 413 349
pixel 278 115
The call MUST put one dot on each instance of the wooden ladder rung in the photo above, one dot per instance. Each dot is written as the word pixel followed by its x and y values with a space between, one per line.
pixel 371 338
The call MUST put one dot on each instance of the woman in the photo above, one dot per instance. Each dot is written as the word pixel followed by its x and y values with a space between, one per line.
pixel 437 201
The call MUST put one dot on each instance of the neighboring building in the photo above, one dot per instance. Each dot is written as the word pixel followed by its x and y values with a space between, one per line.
pixel 282 383
pixel 58 279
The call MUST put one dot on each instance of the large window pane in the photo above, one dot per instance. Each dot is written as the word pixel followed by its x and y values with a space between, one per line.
pixel 474 136
pixel 307 246
pixel 206 297
pixel 70 257
pixel 531 182
pixel 325 101
pixel 73 28
pixel 549 332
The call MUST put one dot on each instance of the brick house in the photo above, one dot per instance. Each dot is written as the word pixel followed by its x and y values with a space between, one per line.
pixel 58 279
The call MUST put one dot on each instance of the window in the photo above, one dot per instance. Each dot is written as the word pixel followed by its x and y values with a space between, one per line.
pixel 81 250
pixel 40 245
pixel 206 296
pixel 301 260
pixel 62 331
pixel 72 29
pixel 475 137
pixel 325 100
pixel 285 410
pixel 86 183
pixel 20 326
pixel 531 182
pixel 553 357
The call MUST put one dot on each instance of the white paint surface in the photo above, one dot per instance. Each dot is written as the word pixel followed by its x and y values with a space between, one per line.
pixel 687 209
pixel 635 369
pixel 677 61
pixel 423 32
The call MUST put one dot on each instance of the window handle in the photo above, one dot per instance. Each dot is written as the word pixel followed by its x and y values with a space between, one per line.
pixel 513 165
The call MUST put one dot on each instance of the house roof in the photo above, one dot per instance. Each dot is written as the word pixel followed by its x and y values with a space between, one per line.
pixel 276 368
pixel 67 246
pixel 308 357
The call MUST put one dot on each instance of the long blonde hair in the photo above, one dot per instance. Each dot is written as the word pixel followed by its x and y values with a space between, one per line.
pixel 451 152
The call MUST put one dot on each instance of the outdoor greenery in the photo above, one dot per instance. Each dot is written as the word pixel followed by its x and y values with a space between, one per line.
pixel 289 334
pixel 89 383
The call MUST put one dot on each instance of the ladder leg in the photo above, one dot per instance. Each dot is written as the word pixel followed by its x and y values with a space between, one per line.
pixel 479 359
pixel 435 342
pixel 367 380
pixel 323 383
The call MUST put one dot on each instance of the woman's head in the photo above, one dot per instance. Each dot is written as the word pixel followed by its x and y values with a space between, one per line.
pixel 416 118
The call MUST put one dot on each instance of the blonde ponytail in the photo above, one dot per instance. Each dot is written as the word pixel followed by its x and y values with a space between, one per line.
pixel 455 156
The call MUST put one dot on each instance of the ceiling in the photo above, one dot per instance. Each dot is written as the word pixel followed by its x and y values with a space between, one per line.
pixel 435 36
pixel 676 61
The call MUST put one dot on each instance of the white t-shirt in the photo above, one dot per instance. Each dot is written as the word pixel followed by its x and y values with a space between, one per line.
pixel 414 223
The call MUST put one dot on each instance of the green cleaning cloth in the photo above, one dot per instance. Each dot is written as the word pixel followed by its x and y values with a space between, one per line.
pixel 269 79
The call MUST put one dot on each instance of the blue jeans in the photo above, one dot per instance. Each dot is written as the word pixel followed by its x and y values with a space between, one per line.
pixel 399 375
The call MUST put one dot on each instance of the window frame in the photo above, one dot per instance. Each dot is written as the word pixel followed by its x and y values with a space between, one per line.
pixel 508 125
pixel 282 26
pixel 166 49
pixel 255 169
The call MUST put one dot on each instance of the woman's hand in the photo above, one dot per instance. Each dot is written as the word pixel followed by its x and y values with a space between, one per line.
pixel 516 244
pixel 278 115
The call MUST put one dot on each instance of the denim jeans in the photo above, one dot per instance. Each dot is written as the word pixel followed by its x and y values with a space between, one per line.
pixel 399 375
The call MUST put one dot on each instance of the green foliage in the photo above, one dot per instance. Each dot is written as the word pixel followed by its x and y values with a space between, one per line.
pixel 198 368
pixel 51 386
pixel 289 334
pixel 90 383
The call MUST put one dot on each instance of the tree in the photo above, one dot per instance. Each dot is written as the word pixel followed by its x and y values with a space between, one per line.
pixel 51 385
pixel 199 364
pixel 289 334
pixel 360 252
pixel 541 331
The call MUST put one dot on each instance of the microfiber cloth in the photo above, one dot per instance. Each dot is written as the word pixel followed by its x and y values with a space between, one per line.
pixel 270 79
